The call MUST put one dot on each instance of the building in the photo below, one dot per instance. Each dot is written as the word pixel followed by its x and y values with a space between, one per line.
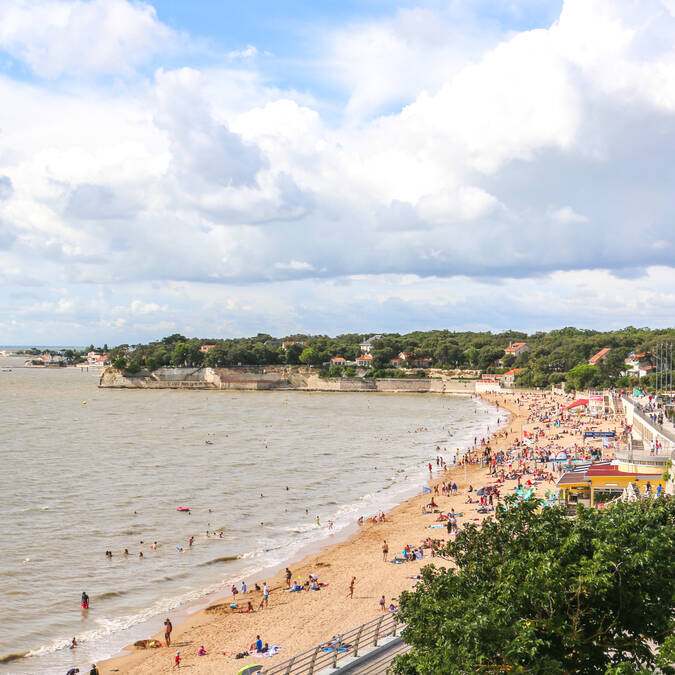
pixel 288 343
pixel 406 360
pixel 516 348
pixel 96 359
pixel 509 378
pixel 367 345
pixel 338 361
pixel 205 349
pixel 364 361
pixel 637 365
pixel 600 482
pixel 596 358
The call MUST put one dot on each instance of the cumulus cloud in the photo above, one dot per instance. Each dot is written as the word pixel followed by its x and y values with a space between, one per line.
pixel 516 154
pixel 77 37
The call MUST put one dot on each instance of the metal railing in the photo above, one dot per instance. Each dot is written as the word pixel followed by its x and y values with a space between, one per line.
pixel 348 645
pixel 643 414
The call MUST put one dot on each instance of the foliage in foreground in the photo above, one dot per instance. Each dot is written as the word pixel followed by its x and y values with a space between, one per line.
pixel 535 591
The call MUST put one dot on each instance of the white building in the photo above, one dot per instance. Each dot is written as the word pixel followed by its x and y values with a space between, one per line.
pixel 366 345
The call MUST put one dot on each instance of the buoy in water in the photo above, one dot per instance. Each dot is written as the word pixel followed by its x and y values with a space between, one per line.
pixel 84 403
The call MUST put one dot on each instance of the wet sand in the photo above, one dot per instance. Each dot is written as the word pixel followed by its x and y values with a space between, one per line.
pixel 300 621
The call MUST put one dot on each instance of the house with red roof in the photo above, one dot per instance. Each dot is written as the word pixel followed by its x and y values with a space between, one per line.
pixel 338 361
pixel 596 358
pixel 205 349
pixel 406 360
pixel 637 365
pixel 510 377
pixel 364 361
pixel 516 348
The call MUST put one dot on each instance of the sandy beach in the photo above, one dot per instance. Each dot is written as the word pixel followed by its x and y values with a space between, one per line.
pixel 299 621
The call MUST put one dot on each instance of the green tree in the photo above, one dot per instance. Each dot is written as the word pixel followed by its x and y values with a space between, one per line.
pixel 534 591
pixel 472 356
pixel 293 354
pixel 180 354
pixel 310 356
pixel 119 363
pixel 581 376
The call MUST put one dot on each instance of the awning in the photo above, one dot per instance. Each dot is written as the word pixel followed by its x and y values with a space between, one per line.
pixel 578 402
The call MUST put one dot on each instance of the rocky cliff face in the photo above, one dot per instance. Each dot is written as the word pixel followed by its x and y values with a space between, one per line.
pixel 264 378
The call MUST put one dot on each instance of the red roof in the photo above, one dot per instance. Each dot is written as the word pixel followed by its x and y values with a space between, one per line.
pixel 513 371
pixel 515 346
pixel 337 358
pixel 365 357
pixel 613 470
pixel 596 357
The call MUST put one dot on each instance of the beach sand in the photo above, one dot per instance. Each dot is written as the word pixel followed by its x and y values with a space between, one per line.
pixel 300 621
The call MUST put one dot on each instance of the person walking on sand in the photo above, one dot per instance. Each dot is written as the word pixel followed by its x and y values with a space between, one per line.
pixel 288 578
pixel 351 588
pixel 383 602
pixel 266 594
pixel 167 632
pixel 385 550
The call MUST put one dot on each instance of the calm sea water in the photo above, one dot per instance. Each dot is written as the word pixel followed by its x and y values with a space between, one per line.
pixel 79 479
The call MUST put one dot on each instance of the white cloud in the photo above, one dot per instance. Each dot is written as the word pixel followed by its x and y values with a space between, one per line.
pixel 98 36
pixel 515 156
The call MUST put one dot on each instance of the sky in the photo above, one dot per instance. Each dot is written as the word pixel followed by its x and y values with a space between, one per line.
pixel 219 169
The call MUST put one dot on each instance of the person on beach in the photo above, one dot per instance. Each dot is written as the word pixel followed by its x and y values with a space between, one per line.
pixel 351 588
pixel 257 645
pixel 72 671
pixel 167 632
pixel 248 610
pixel 84 601
pixel 383 603
pixel 288 578
pixel 176 660
pixel 243 588
pixel 385 550
pixel 201 651
pixel 94 670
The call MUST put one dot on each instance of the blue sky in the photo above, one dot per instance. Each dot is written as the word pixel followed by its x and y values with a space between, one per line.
pixel 221 168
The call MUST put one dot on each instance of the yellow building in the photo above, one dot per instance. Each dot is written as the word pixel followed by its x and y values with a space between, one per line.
pixel 600 482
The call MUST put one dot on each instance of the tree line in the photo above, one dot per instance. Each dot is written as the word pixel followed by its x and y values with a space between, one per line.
pixel 554 356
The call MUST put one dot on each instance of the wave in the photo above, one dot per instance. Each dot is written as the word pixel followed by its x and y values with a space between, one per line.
pixel 215 561
pixel 13 657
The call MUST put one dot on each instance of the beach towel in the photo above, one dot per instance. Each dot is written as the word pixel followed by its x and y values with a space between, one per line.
pixel 436 527
pixel 272 651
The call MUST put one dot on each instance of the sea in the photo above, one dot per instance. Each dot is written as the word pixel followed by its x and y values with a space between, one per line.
pixel 85 470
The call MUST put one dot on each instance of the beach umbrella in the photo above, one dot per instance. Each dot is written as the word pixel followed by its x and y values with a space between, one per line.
pixel 247 670
pixel 480 491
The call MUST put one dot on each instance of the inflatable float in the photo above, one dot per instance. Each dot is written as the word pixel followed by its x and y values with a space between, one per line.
pixel 182 508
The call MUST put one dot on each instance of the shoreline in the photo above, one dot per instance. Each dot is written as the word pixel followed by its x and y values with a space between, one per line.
pixel 354 548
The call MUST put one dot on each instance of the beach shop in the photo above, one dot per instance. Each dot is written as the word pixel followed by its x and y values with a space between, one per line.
pixel 591 484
